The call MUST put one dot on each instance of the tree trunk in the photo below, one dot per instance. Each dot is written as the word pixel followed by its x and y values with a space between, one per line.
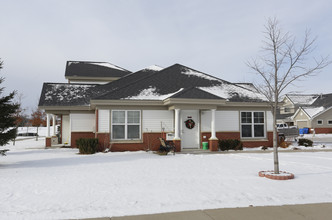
pixel 275 139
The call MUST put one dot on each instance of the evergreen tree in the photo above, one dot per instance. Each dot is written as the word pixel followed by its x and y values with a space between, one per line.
pixel 8 109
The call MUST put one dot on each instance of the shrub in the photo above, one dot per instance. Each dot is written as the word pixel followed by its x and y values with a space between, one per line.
pixel 87 145
pixel 305 142
pixel 230 144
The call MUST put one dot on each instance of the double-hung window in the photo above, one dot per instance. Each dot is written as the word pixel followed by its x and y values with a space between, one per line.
pixel 126 124
pixel 252 125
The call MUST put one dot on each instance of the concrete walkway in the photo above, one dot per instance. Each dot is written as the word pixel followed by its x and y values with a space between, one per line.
pixel 320 211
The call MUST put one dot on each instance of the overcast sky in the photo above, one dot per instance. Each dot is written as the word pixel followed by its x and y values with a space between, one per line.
pixel 215 37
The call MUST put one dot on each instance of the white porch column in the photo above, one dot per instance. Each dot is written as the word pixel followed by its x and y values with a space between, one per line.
pixel 48 125
pixel 177 124
pixel 53 120
pixel 213 124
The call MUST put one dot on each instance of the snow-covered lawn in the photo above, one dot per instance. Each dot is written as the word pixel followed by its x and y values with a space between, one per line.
pixel 60 184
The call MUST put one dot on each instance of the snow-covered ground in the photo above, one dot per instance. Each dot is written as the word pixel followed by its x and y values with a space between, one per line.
pixel 39 183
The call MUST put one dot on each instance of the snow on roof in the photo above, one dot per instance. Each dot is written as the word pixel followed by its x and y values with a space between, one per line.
pixel 228 91
pixel 66 92
pixel 108 65
pixel 249 86
pixel 154 68
pixel 313 111
pixel 299 99
pixel 191 72
pixel 151 94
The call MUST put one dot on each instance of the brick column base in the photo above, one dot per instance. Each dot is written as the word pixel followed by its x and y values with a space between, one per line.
pixel 177 144
pixel 48 141
pixel 213 144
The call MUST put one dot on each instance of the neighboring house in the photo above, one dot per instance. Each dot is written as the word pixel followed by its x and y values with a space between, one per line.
pixel 317 116
pixel 178 103
pixel 291 103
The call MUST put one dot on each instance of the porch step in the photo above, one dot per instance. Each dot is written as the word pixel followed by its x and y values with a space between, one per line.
pixel 194 151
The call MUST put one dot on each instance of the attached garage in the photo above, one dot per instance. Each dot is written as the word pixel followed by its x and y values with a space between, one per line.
pixel 302 124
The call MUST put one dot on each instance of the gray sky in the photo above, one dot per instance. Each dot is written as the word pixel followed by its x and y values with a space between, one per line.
pixel 215 37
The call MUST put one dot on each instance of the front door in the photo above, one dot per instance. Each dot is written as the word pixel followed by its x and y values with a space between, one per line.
pixel 189 129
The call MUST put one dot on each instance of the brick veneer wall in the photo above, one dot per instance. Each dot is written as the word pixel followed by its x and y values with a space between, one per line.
pixel 103 139
pixel 323 130
pixel 77 135
pixel 236 135
pixel 150 141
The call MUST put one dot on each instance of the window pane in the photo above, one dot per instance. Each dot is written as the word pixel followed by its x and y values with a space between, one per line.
pixel 246 131
pixel 133 131
pixel 245 117
pixel 118 117
pixel 118 131
pixel 259 130
pixel 133 117
pixel 258 117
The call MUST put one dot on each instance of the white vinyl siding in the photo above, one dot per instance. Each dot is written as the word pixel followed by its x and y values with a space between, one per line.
pixel 269 121
pixel 155 120
pixel 65 129
pixel 225 121
pixel 103 120
pixel 82 122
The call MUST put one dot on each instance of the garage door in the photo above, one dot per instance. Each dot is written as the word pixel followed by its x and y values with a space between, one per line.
pixel 302 124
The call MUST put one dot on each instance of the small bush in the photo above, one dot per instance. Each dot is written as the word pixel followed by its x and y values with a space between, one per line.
pixel 230 144
pixel 305 142
pixel 87 145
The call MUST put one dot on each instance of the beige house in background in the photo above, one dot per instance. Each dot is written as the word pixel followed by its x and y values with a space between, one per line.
pixel 318 118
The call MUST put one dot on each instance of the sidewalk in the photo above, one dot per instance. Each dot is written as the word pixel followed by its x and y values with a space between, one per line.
pixel 320 211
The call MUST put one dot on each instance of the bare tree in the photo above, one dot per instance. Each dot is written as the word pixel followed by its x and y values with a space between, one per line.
pixel 37 119
pixel 284 62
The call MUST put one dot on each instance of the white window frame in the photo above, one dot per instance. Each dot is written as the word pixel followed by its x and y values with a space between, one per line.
pixel 126 124
pixel 320 121
pixel 253 125
pixel 328 121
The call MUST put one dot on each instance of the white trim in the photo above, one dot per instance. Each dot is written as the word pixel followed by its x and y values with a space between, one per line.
pixel 125 124
pixel 321 120
pixel 213 125
pixel 48 125
pixel 177 124
pixel 252 125
pixel 329 120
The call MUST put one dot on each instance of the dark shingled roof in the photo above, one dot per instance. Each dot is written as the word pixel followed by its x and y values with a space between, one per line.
pixel 194 93
pixel 94 69
pixel 324 100
pixel 65 94
pixel 172 79
pixel 176 81
pixel 123 82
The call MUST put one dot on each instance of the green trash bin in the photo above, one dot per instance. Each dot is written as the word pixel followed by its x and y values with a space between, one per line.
pixel 205 145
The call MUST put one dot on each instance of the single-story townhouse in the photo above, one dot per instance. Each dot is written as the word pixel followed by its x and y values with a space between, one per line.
pixel 317 116
pixel 128 111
